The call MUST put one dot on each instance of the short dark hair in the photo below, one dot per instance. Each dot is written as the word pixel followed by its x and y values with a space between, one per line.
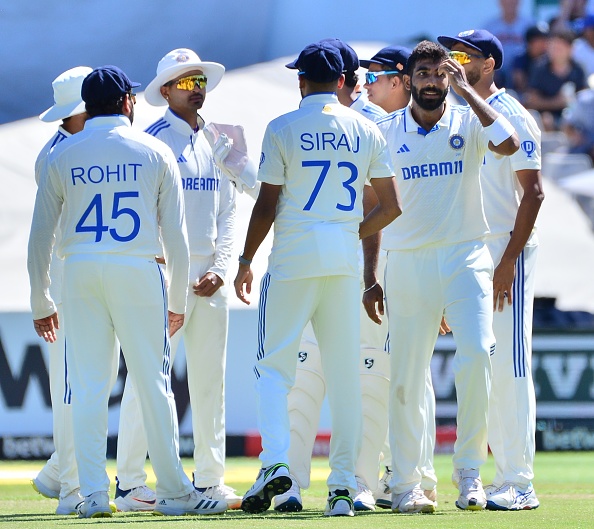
pixel 322 87
pixel 351 79
pixel 425 50
pixel 106 107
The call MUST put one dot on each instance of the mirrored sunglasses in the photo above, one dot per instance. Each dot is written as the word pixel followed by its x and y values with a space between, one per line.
pixel 371 77
pixel 461 57
pixel 190 82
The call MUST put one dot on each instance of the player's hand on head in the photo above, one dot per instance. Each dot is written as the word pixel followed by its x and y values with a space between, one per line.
pixel 176 322
pixel 456 75
pixel 46 327
pixel 373 301
pixel 243 283
pixel 207 285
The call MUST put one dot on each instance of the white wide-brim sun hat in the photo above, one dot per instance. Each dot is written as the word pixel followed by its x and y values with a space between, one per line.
pixel 67 99
pixel 176 63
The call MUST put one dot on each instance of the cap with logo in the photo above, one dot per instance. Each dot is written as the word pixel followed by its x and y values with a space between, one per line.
pixel 106 83
pixel 393 57
pixel 480 40
pixel 319 62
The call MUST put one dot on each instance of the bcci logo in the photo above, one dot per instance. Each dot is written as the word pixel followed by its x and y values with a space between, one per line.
pixel 368 362
pixel 182 56
pixel 262 158
pixel 456 142
pixel 528 147
pixel 302 356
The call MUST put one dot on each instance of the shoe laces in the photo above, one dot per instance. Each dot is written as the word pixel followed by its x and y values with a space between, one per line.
pixel 143 492
pixel 470 484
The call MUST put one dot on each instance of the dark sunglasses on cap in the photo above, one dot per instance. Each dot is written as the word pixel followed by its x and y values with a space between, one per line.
pixel 461 57
pixel 190 82
pixel 371 77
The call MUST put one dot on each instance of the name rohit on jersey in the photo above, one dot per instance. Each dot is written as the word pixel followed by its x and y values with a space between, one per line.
pixel 427 170
pixel 322 141
pixel 96 174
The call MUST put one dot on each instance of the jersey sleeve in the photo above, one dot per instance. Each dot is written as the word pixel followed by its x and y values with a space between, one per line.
pixel 528 155
pixel 381 162
pixel 272 164
pixel 225 229
pixel 174 235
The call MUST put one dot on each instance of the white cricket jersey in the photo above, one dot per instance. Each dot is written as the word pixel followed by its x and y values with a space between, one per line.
pixel 321 154
pixel 116 190
pixel 438 178
pixel 367 108
pixel 57 264
pixel 209 196
pixel 502 191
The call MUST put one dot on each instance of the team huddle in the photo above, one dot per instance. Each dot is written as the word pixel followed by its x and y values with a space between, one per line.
pixel 397 215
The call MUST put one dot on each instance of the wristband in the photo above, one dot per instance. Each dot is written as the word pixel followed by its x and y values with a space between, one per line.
pixel 371 287
pixel 244 261
pixel 498 131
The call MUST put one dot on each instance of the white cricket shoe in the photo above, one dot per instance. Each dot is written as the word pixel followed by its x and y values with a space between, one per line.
pixel 339 503
pixel 190 504
pixel 412 502
pixel 46 486
pixel 290 501
pixel 364 500
pixel 271 481
pixel 510 497
pixel 431 494
pixel 95 505
pixel 137 499
pixel 68 504
pixel 383 496
pixel 472 495
pixel 224 493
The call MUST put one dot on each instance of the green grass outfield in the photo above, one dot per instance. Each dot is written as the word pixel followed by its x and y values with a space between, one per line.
pixel 564 484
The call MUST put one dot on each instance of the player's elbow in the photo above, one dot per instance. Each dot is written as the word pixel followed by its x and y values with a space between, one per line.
pixel 508 146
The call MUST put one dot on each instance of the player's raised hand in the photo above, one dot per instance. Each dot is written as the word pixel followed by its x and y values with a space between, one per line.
pixel 46 327
pixel 374 297
pixel 456 74
pixel 176 322
pixel 244 278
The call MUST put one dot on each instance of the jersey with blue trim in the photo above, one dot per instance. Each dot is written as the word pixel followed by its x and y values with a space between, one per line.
pixel 321 155
pixel 113 190
pixel 209 196
pixel 438 176
pixel 502 191
pixel 57 264
pixel 367 108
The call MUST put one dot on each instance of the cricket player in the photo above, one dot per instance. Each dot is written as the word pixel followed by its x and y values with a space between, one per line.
pixel 117 194
pixel 512 196
pixel 59 476
pixel 181 84
pixel 438 264
pixel 313 168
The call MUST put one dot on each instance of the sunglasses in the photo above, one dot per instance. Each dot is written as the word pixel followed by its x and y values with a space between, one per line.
pixel 190 82
pixel 461 57
pixel 371 77
pixel 132 97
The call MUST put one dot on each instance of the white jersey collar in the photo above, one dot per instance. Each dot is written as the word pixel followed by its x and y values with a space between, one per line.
pixel 181 125
pixel 319 98
pixel 495 95
pixel 411 126
pixel 113 120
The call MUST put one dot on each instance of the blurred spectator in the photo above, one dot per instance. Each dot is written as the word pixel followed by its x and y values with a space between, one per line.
pixel 569 11
pixel 510 28
pixel 537 39
pixel 554 80
pixel 583 47
pixel 578 121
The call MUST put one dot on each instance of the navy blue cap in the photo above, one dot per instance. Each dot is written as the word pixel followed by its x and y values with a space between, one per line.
pixel 106 83
pixel 319 62
pixel 479 39
pixel 394 57
pixel 348 54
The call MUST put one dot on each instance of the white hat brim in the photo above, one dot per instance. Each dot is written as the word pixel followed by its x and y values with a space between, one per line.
pixel 213 71
pixel 58 112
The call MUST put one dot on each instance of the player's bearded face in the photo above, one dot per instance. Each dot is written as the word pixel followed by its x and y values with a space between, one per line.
pixel 428 97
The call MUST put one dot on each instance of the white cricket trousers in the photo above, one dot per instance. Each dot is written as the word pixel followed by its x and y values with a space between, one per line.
pixel 421 286
pixel 512 404
pixel 332 305
pixel 205 337
pixel 105 296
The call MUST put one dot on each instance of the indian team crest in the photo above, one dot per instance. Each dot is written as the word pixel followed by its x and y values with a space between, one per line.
pixel 456 142
pixel 182 56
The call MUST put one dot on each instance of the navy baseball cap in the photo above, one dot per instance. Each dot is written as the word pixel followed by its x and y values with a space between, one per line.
pixel 319 62
pixel 394 57
pixel 106 83
pixel 479 39
pixel 348 54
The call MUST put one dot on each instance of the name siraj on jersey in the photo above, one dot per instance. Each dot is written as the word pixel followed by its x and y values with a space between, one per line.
pixel 321 141
pixel 97 174
pixel 431 169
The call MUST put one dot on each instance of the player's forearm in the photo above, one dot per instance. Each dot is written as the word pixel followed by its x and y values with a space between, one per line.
pixel 388 208
pixel 371 247
pixel 260 223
